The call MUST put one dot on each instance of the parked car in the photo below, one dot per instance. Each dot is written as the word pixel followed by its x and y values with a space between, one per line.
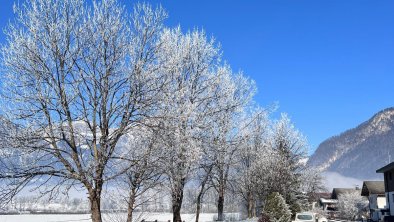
pixel 310 217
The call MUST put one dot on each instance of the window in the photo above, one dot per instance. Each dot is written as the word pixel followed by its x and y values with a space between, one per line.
pixel 390 176
pixel 304 217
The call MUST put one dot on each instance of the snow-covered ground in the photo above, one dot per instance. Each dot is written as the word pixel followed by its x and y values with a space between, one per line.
pixel 161 217
pixel 45 218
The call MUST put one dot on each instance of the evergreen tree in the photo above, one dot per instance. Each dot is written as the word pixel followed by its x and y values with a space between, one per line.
pixel 276 208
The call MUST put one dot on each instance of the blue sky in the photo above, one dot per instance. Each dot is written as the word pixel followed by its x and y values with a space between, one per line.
pixel 328 63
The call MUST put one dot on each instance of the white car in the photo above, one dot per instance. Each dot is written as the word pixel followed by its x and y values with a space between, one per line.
pixel 310 217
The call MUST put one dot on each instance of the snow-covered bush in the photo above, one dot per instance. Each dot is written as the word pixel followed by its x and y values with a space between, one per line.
pixel 276 208
pixel 351 205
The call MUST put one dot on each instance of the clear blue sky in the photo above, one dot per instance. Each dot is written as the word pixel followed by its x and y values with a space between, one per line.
pixel 328 63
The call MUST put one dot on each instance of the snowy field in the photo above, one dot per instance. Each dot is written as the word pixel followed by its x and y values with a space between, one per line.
pixel 161 217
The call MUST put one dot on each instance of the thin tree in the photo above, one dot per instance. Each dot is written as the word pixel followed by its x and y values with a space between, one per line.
pixel 255 143
pixel 227 136
pixel 143 176
pixel 189 62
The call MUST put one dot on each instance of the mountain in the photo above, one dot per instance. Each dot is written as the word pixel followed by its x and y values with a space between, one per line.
pixel 360 151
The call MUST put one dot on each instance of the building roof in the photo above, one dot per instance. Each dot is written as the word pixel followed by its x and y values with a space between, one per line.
pixel 316 196
pixel 386 168
pixel 324 195
pixel 336 192
pixel 372 187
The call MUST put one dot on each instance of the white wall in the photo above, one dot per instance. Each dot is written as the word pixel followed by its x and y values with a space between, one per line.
pixel 381 202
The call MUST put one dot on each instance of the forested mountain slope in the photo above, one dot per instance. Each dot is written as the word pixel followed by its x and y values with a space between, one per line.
pixel 360 151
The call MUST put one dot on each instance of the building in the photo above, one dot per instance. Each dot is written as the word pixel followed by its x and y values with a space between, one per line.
pixel 329 203
pixel 323 201
pixel 375 192
pixel 388 172
pixel 336 192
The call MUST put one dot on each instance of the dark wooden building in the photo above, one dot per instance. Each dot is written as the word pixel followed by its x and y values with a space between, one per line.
pixel 388 172
pixel 336 192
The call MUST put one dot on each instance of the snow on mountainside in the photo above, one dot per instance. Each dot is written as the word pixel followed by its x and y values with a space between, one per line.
pixel 360 151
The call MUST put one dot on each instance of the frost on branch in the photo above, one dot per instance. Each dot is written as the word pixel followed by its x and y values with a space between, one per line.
pixel 77 79
pixel 352 205
pixel 98 96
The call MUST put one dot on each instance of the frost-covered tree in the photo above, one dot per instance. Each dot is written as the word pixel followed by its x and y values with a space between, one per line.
pixel 94 96
pixel 272 161
pixel 203 176
pixel 352 205
pixel 276 208
pixel 188 62
pixel 195 91
pixel 291 147
pixel 224 148
pixel 77 77
pixel 250 158
pixel 143 176
pixel 312 182
pixel 227 135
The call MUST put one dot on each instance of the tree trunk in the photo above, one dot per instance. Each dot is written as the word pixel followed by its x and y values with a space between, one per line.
pixel 221 206
pixel 201 194
pixel 95 207
pixel 95 200
pixel 251 206
pixel 198 206
pixel 177 198
pixel 176 208
pixel 129 215
pixel 130 207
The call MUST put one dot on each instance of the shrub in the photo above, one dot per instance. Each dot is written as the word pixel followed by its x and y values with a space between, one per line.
pixel 276 208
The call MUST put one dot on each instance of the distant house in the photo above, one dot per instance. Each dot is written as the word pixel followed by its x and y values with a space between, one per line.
pixel 329 202
pixel 318 195
pixel 374 191
pixel 323 201
pixel 337 192
pixel 388 172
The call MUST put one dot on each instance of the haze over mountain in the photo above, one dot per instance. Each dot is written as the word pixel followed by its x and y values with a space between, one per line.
pixel 360 151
